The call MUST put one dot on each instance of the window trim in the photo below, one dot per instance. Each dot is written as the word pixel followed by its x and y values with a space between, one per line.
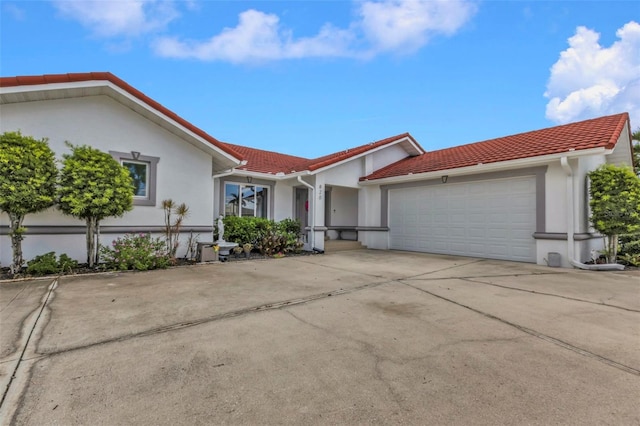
pixel 152 163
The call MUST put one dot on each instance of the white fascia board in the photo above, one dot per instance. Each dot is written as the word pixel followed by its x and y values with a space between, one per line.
pixel 270 176
pixel 47 87
pixel 490 167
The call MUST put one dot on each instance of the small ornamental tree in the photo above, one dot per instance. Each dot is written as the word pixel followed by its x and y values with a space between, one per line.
pixel 28 177
pixel 93 186
pixel 173 224
pixel 615 204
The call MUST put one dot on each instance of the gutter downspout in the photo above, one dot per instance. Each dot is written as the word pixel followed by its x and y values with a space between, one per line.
pixel 564 162
pixel 312 206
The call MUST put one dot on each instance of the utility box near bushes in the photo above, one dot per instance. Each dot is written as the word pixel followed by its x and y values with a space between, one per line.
pixel 206 253
pixel 554 259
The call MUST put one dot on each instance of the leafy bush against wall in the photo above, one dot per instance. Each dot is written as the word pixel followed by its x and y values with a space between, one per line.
pixel 93 186
pixel 615 204
pixel 46 264
pixel 266 235
pixel 28 176
pixel 629 253
pixel 136 251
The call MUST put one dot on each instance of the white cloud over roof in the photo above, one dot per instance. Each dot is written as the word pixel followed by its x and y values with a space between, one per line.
pixel 396 26
pixel 257 37
pixel 408 24
pixel 119 18
pixel 591 80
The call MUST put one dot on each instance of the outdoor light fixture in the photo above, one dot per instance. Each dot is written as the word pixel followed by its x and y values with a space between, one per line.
pixel 444 179
pixel 249 179
pixel 135 155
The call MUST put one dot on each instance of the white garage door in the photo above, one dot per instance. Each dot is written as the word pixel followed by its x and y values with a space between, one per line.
pixel 492 219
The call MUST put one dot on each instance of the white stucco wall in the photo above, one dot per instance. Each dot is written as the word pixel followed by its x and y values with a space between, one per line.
pixel 622 152
pixel 387 156
pixel 556 198
pixel 347 174
pixel 369 202
pixel 283 199
pixel 183 172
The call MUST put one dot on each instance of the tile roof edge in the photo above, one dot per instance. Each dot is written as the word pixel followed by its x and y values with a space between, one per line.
pixel 111 78
pixel 624 121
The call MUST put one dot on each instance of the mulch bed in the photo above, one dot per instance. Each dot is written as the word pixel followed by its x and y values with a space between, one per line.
pixel 83 269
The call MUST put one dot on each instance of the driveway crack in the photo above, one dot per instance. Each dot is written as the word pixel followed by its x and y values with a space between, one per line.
pixel 537 334
pixel 542 293
pixel 31 330
pixel 370 350
pixel 226 315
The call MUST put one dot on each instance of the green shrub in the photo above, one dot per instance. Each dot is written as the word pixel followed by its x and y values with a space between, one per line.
pixel 136 251
pixel 43 264
pixel 265 235
pixel 243 230
pixel 272 242
pixel 291 230
pixel 630 249
pixel 66 264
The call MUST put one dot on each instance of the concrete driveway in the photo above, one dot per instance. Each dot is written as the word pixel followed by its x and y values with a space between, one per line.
pixel 356 337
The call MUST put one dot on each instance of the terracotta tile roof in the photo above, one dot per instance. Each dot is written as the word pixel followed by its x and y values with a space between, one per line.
pixel 107 76
pixel 262 161
pixel 600 132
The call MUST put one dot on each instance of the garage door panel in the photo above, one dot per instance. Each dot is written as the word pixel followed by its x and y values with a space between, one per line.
pixel 494 219
pixel 476 232
pixel 458 219
pixel 458 232
pixel 520 234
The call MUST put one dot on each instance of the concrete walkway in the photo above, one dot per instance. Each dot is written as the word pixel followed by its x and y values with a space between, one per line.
pixel 357 337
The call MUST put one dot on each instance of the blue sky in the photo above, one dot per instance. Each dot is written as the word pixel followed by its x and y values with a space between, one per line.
pixel 309 78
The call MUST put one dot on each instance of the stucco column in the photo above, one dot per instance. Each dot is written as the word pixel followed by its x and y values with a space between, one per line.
pixel 318 211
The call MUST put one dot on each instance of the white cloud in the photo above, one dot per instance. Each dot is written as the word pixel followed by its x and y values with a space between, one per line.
pixel 381 26
pixel 590 80
pixel 106 18
pixel 257 37
pixel 406 25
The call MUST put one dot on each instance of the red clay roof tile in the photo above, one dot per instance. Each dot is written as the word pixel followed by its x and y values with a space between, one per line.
pixel 600 132
pixel 272 162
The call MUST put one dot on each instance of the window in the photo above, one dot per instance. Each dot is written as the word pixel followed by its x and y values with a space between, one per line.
pixel 143 173
pixel 140 174
pixel 246 200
